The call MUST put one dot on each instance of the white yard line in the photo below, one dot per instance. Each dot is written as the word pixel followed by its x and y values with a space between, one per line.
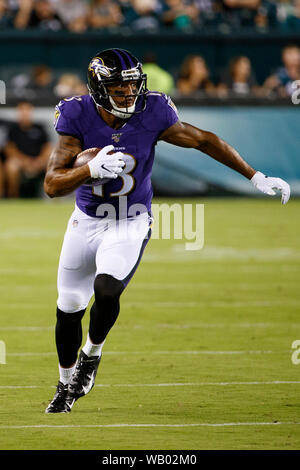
pixel 177 304
pixel 26 328
pixel 18 386
pixel 22 306
pixel 142 425
pixel 171 326
pixel 217 304
pixel 176 384
pixel 204 352
pixel 201 384
pixel 24 233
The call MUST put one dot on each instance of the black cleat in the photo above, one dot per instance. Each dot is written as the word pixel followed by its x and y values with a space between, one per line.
pixel 59 403
pixel 83 378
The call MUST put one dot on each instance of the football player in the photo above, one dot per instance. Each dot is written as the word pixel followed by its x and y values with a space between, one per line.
pixel 105 240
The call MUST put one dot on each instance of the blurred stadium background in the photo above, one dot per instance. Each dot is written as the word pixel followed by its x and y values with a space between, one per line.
pixel 231 67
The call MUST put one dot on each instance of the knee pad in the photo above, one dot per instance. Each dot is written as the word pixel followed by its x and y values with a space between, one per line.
pixel 71 301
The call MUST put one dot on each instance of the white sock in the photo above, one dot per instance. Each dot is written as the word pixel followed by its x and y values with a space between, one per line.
pixel 91 349
pixel 65 374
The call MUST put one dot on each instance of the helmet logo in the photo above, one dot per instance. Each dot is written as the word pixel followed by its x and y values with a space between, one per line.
pixel 97 67
pixel 57 114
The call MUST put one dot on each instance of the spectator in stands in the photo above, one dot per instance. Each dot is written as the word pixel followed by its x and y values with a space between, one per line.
pixel 157 78
pixel 194 77
pixel 180 14
pixel 5 15
pixel 43 16
pixel 38 14
pixel 239 79
pixel 69 85
pixel 18 85
pixel 27 151
pixel 249 13
pixel 205 6
pixel 33 84
pixel 238 12
pixel 141 14
pixel 266 15
pixel 208 13
pixel 292 22
pixel 42 80
pixel 105 14
pixel 3 139
pixel 281 82
pixel 23 14
pixel 284 9
pixel 73 13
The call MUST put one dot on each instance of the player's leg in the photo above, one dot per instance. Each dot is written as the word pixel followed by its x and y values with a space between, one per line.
pixel 117 259
pixel 76 274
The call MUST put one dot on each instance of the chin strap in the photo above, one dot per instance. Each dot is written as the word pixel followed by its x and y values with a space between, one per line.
pixel 123 113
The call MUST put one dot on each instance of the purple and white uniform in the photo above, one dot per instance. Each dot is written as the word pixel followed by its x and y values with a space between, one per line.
pixel 95 244
pixel 137 138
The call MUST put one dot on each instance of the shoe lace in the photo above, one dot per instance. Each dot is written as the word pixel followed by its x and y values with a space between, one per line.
pixel 82 368
pixel 61 394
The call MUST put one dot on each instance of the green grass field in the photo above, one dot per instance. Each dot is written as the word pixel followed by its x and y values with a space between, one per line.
pixel 200 357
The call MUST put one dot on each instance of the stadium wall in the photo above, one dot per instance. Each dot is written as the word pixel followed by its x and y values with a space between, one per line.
pixel 64 50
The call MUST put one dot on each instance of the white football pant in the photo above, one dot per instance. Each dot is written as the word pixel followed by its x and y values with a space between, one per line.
pixel 95 246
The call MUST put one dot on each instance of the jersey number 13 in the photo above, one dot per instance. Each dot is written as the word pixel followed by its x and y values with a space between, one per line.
pixel 128 180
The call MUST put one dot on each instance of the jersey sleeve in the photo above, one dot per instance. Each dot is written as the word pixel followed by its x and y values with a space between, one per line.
pixel 163 112
pixel 171 113
pixel 67 117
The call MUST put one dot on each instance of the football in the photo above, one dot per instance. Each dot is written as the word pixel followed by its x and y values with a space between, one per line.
pixel 83 158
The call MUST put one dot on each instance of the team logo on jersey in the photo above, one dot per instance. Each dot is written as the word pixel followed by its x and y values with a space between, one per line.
pixel 97 66
pixel 56 116
pixel 116 137
pixel 170 103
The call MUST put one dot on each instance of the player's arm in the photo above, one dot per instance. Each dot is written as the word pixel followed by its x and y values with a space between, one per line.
pixel 61 178
pixel 186 135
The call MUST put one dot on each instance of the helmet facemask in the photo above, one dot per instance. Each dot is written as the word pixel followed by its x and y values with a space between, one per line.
pixel 126 111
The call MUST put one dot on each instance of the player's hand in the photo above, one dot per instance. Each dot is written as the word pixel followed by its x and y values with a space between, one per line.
pixel 267 185
pixel 104 165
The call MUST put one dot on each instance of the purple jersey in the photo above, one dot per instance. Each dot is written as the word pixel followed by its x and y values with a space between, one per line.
pixel 78 116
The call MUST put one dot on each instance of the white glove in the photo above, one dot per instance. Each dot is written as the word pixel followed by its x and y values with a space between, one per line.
pixel 267 185
pixel 106 166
